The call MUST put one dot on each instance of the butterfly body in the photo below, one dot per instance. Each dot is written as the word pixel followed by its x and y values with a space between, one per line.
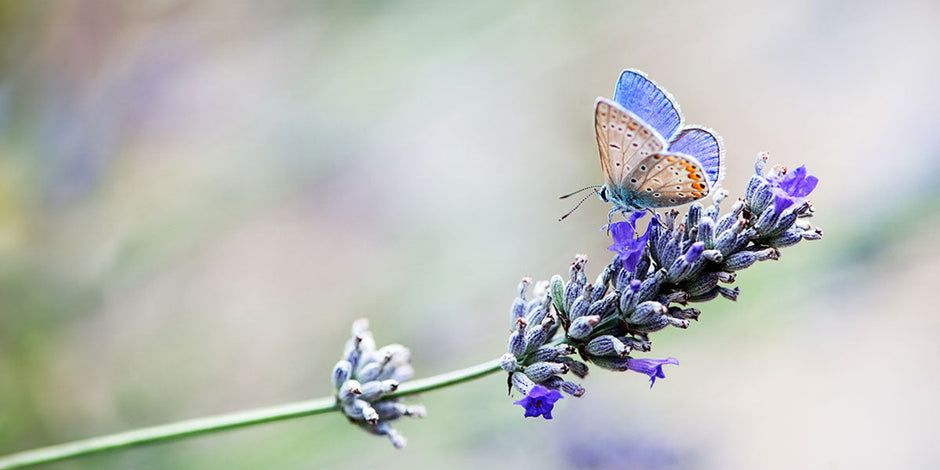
pixel 649 160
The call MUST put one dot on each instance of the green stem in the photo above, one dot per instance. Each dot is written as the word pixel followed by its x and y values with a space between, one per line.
pixel 211 424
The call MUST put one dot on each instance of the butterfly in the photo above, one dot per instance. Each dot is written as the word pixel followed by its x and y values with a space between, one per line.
pixel 649 159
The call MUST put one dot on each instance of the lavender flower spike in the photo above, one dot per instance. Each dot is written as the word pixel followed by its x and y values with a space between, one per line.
pixel 792 187
pixel 539 402
pixel 629 249
pixel 651 367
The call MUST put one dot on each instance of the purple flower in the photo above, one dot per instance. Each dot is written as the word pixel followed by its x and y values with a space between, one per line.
pixel 651 367
pixel 792 187
pixel 625 245
pixel 695 252
pixel 539 401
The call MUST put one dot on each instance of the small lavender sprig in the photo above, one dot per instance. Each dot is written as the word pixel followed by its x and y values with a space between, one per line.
pixel 365 377
pixel 649 283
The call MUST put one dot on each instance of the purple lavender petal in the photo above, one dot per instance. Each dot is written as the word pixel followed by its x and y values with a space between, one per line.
pixel 651 367
pixel 782 202
pixel 539 401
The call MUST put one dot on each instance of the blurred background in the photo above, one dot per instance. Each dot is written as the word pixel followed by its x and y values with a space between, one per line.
pixel 197 199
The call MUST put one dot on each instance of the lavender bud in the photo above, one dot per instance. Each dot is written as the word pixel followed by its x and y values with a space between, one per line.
pixel 684 313
pixel 709 295
pixel 790 237
pixel 740 260
pixel 805 210
pixel 544 354
pixel 706 232
pixel 361 409
pixel 597 292
pixel 523 286
pixel 572 292
pixel 375 389
pixel 643 265
pixel 740 243
pixel 762 198
pixel 701 284
pixel 637 344
pixel 557 289
pixel 655 229
pixel 648 313
pixel 694 215
pixel 518 309
pixel 576 367
pixel 614 363
pixel 753 185
pixel 679 269
pixel 783 223
pixel 669 252
pixel 629 298
pixel 714 256
pixel 761 162
pixel 651 285
pixel 341 373
pixel 521 382
pixel 607 345
pixel 508 362
pixel 728 220
pixel 577 269
pixel 816 234
pixel 694 252
pixel 583 326
pixel 679 297
pixel 725 241
pixel 369 371
pixel 571 388
pixel 517 341
pixel 605 306
pixel 349 391
pixel 731 294
pixel 767 220
pixel 578 308
pixel 534 338
pixel 541 371
pixel 651 316
pixel 536 315
pixel 395 354
pixel 623 279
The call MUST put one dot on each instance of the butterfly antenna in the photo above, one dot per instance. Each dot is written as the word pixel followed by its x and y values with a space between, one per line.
pixel 585 198
pixel 593 186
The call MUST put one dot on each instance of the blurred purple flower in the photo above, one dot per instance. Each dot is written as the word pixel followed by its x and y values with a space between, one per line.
pixel 651 367
pixel 625 245
pixel 539 401
pixel 791 187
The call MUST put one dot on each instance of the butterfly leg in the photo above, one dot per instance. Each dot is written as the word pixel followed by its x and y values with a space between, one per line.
pixel 610 217
pixel 655 219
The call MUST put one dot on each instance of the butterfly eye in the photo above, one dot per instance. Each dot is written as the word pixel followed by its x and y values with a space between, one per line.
pixel 603 194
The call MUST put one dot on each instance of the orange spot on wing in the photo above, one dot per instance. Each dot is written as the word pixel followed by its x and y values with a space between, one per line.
pixel 698 186
pixel 697 194
pixel 671 159
pixel 632 126
pixel 694 176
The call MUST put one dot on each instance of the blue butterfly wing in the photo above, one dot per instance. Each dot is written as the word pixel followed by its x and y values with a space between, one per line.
pixel 649 102
pixel 706 147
